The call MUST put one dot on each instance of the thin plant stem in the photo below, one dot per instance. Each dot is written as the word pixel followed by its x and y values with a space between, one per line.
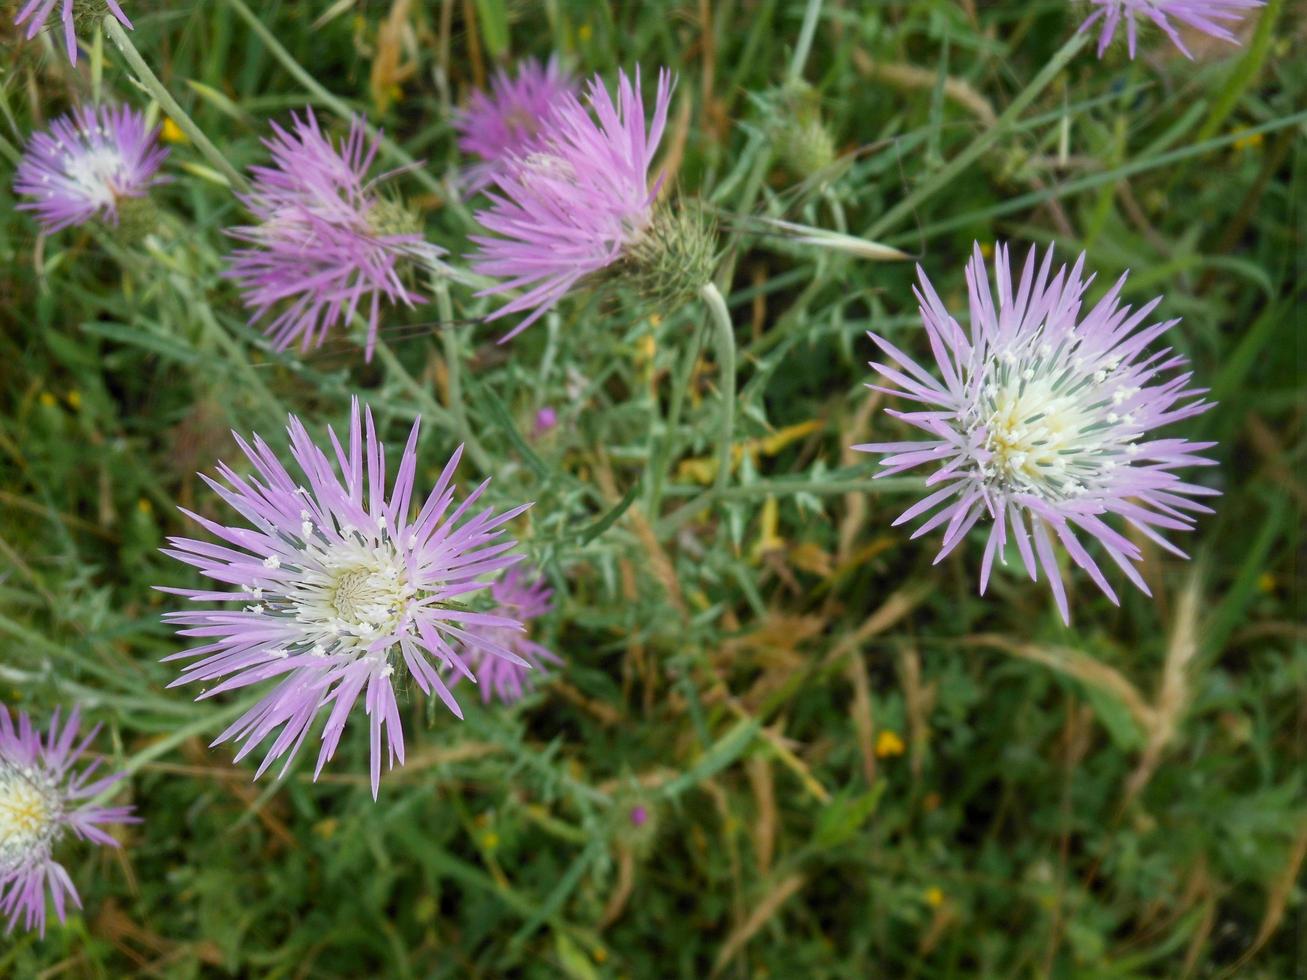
pixel 171 106
pixel 10 151
pixel 725 336
pixel 945 175
pixel 662 454
pixel 449 341
pixel 804 45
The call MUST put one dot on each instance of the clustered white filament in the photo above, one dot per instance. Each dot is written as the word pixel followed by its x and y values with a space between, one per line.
pixel 345 594
pixel 1050 420
pixel 29 814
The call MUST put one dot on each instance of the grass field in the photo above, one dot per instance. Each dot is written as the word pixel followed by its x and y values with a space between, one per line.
pixel 782 742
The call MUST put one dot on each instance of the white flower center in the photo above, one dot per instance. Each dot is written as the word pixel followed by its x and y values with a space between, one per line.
pixel 1049 423
pixel 96 172
pixel 29 814
pixel 344 596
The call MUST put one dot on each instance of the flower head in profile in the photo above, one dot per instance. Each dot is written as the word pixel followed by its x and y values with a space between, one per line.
pixel 43 797
pixel 522 600
pixel 576 200
pixel 340 588
pixel 505 122
pixel 87 164
pixel 328 243
pixel 1042 422
pixel 36 12
pixel 1211 17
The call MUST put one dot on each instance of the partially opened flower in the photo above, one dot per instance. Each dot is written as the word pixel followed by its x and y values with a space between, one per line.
pixel 519 599
pixel 577 201
pixel 88 165
pixel 1042 425
pixel 506 121
pixel 43 797
pixel 328 243
pixel 1208 16
pixel 340 587
pixel 36 12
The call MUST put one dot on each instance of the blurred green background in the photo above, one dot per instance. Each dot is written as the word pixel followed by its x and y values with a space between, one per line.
pixel 851 764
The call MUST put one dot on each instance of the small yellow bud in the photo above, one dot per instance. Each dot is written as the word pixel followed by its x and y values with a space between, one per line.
pixel 888 744
pixel 326 829
pixel 172 133
pixel 934 897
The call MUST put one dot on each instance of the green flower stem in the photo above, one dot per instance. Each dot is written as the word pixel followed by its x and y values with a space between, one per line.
pixel 662 454
pixel 725 334
pixel 170 106
pixel 9 151
pixel 945 176
pixel 449 341
pixel 804 45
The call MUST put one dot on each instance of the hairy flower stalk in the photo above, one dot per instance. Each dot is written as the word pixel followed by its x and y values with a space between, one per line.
pixel 328 244
pixel 1208 16
pixel 507 121
pixel 340 588
pixel 36 12
pixel 91 163
pixel 1042 423
pixel 43 798
pixel 519 598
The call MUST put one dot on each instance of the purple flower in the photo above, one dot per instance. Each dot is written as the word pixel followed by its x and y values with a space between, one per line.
pixel 506 122
pixel 40 801
pixel 1202 15
pixel 1042 423
pixel 86 164
pixel 546 419
pixel 38 11
pixel 340 587
pixel 522 601
pixel 327 242
pixel 572 204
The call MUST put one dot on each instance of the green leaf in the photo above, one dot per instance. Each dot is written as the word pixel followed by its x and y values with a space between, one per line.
pixel 573 959
pixel 610 518
pixel 1116 718
pixel 844 816
pixel 492 16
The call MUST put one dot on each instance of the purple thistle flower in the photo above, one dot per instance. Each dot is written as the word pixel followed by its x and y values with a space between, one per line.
pixel 546 419
pixel 506 122
pixel 1044 417
pixel 576 200
pixel 38 11
pixel 1202 15
pixel 326 241
pixel 86 164
pixel 523 601
pixel 41 800
pixel 340 587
